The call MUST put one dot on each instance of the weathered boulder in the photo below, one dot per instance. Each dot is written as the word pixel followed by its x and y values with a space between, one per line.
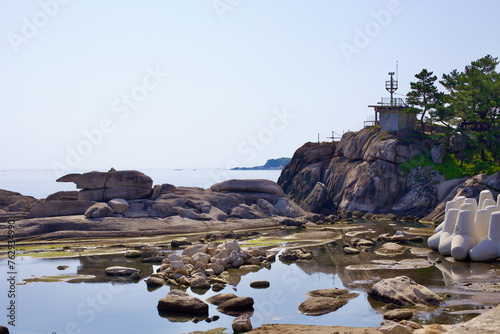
pixel 316 198
pixel 63 196
pixel 493 181
pixel 60 208
pixel 264 186
pixel 119 205
pixel 242 324
pixel 178 301
pixel 438 153
pixel 402 290
pixel 100 180
pixel 99 210
pixel 121 271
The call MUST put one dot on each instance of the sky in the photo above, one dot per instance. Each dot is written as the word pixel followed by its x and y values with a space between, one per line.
pixel 164 84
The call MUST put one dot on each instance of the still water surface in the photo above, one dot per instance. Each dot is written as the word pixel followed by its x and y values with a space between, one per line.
pixel 106 305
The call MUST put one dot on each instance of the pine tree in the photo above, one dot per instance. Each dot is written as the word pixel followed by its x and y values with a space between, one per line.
pixel 422 97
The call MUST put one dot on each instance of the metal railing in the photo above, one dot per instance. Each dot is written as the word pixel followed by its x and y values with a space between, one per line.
pixel 395 102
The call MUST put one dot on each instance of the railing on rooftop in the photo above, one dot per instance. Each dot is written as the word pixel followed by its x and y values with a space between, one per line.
pixel 395 102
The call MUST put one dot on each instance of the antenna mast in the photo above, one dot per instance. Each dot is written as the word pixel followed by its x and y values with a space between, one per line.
pixel 391 86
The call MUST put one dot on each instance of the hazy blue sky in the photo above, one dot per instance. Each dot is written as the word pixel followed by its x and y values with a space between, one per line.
pixel 205 84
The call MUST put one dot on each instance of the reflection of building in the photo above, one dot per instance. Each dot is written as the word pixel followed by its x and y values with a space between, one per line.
pixel 390 113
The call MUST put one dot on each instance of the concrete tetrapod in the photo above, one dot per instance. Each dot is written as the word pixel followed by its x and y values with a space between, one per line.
pixel 449 205
pixel 482 224
pixel 447 234
pixel 489 202
pixel 464 236
pixel 489 248
pixel 484 195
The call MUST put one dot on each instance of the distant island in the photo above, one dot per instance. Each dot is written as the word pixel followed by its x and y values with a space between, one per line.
pixel 271 164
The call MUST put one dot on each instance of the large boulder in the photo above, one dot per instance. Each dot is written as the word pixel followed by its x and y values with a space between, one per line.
pixel 264 186
pixel 178 301
pixel 242 324
pixel 438 153
pixel 404 291
pixel 60 208
pixel 119 205
pixel 100 180
pixel 104 195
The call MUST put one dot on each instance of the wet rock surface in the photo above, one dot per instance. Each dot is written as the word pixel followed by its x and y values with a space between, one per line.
pixel 404 291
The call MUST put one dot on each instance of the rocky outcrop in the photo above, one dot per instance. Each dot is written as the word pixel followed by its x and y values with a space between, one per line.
pixel 99 210
pixel 362 173
pixel 358 173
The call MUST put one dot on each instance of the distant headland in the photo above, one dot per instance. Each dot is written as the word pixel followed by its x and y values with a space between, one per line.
pixel 271 164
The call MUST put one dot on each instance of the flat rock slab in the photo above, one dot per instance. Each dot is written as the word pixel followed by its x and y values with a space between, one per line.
pixel 325 301
pixel 181 302
pixel 402 290
pixel 121 271
pixel 264 186
pixel 488 322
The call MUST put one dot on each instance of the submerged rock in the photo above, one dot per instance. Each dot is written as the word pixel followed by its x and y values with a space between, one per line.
pixel 325 301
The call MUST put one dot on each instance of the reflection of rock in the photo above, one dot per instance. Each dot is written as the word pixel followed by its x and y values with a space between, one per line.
pixel 325 301
pixel 391 248
pixel 402 290
pixel 181 302
pixel 121 271
pixel 236 306
pixel 242 324
pixel 259 284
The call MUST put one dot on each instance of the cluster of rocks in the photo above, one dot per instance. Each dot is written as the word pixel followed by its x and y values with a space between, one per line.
pixel 361 173
pixel 131 194
pixel 203 265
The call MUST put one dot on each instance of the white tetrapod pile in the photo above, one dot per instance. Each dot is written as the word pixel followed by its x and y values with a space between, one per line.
pixel 469 228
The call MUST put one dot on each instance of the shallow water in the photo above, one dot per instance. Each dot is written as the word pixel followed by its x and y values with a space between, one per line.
pixel 106 305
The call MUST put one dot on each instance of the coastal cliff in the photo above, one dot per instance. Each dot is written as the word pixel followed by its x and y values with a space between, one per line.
pixel 362 173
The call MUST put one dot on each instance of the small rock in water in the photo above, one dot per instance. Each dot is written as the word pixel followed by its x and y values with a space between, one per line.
pixel 259 284
pixel 62 267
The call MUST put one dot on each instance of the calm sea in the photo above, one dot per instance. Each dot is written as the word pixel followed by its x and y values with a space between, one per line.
pixel 41 183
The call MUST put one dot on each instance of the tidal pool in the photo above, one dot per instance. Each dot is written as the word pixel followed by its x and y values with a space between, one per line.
pixel 96 303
